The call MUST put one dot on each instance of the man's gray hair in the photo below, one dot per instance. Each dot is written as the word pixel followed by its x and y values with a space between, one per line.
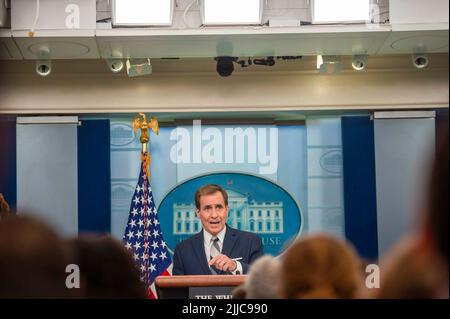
pixel 263 279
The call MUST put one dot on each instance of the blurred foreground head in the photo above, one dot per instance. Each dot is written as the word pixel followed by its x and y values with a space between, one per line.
pixel 107 268
pixel 319 267
pixel 4 207
pixel 410 271
pixel 437 215
pixel 262 281
pixel 417 267
pixel 32 260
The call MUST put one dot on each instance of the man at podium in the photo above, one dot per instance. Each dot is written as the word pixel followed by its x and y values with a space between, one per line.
pixel 217 248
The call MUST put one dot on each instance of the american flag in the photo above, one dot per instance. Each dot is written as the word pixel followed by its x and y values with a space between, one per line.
pixel 143 236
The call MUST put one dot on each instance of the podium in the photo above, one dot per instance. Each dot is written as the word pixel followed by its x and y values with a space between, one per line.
pixel 197 287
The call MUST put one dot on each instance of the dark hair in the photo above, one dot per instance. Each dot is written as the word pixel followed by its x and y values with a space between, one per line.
pixel 438 196
pixel 33 260
pixel 208 190
pixel 239 292
pixel 107 268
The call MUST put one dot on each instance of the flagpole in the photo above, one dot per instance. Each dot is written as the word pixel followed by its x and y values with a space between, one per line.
pixel 144 125
pixel 143 234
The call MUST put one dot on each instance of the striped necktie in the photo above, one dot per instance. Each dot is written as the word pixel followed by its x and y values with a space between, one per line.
pixel 215 250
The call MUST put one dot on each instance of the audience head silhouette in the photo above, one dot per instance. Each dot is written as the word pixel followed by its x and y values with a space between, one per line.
pixel 262 281
pixel 33 260
pixel 417 267
pixel 107 268
pixel 437 216
pixel 320 266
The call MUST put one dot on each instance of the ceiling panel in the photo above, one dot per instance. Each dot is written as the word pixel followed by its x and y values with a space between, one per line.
pixel 58 44
pixel 206 43
pixel 123 43
pixel 401 42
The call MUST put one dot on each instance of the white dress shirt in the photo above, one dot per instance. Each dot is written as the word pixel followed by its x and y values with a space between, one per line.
pixel 208 243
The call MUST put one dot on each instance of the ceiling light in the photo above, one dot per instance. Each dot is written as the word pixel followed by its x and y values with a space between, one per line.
pixel 338 11
pixel 142 12
pixel 234 12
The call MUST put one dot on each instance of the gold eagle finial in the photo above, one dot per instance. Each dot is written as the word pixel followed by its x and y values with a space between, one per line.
pixel 144 126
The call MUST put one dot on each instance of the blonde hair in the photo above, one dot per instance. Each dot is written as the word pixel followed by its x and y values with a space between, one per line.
pixel 320 266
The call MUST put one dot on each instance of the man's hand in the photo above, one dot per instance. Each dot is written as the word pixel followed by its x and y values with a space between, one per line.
pixel 223 263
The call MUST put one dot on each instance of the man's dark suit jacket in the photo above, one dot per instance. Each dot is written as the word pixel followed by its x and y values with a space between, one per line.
pixel 190 257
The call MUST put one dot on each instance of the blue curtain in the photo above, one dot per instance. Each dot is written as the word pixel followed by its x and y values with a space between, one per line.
pixel 94 177
pixel 8 178
pixel 359 185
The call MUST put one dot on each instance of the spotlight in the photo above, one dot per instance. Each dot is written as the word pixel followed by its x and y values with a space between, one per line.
pixel 359 62
pixel 225 65
pixel 139 67
pixel 43 67
pixel 115 65
pixel 329 64
pixel 420 61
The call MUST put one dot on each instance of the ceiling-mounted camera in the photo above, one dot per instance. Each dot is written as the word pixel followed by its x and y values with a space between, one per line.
pixel 359 62
pixel 225 66
pixel 43 67
pixel 115 65
pixel 420 61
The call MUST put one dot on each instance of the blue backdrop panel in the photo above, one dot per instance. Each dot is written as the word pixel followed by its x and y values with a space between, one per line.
pixel 94 176
pixel 8 180
pixel 360 185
